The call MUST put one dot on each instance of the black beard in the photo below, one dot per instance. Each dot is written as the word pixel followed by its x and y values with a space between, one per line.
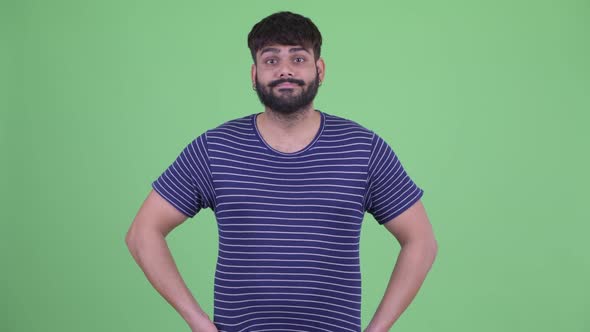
pixel 287 104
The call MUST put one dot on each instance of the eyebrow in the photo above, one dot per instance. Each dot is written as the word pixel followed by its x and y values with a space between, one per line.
pixel 276 50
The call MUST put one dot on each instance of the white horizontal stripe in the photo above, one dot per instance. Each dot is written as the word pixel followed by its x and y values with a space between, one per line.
pixel 266 161
pixel 291 185
pixel 289 173
pixel 289 240
pixel 237 125
pixel 283 179
pixel 285 312
pixel 242 144
pixel 234 131
pixel 215 135
pixel 292 198
pixel 278 167
pixel 293 312
pixel 276 293
pixel 313 227
pixel 288 212
pixel 292 267
pixel 284 260
pixel 284 157
pixel 263 246
pixel 306 233
pixel 284 218
pixel 322 140
pixel 284 253
pixel 295 205
pixel 332 126
pixel 268 299
pixel 339 145
pixel 279 318
pixel 283 329
pixel 349 133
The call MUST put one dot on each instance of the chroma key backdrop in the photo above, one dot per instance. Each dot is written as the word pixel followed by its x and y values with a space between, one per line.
pixel 486 104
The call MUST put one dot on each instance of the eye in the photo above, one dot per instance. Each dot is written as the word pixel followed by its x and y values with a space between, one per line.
pixel 271 61
pixel 299 59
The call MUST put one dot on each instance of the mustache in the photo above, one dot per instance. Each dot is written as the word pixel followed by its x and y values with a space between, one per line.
pixel 286 80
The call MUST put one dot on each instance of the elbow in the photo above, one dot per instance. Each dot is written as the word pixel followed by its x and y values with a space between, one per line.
pixel 133 241
pixel 428 251
pixel 138 236
pixel 131 238
pixel 434 249
pixel 425 248
pixel 431 245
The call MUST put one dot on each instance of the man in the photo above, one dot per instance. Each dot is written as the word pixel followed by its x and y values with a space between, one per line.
pixel 289 187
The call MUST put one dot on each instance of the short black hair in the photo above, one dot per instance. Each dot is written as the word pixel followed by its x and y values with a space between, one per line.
pixel 285 28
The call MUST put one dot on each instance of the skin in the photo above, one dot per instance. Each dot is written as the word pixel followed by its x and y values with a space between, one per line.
pixel 156 217
pixel 413 231
pixel 146 242
pixel 287 133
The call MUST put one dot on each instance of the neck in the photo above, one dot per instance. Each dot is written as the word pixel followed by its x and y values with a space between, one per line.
pixel 289 123
pixel 289 133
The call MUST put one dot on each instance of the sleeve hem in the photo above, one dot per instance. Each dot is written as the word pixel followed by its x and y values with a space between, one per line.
pixel 410 203
pixel 157 189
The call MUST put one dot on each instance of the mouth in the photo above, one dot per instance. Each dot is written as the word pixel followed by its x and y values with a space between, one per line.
pixel 286 85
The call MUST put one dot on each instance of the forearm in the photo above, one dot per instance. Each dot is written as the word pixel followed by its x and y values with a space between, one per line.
pixel 151 252
pixel 412 265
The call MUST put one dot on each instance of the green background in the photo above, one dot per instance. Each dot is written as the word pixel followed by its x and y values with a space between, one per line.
pixel 485 102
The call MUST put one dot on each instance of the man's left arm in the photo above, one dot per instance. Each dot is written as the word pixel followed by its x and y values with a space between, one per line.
pixel 413 231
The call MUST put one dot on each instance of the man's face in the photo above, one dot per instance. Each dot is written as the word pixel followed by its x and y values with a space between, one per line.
pixel 286 77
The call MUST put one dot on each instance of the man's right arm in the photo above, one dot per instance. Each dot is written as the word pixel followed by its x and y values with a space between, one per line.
pixel 146 242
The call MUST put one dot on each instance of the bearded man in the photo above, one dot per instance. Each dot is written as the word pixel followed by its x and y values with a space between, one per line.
pixel 289 187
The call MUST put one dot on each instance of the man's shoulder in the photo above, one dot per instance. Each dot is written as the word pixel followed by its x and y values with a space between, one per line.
pixel 243 122
pixel 239 126
pixel 235 127
pixel 336 122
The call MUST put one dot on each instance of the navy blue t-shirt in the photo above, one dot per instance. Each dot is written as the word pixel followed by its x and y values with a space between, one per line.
pixel 289 223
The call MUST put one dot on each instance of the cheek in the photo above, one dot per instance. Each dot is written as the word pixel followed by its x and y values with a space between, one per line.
pixel 311 76
pixel 262 76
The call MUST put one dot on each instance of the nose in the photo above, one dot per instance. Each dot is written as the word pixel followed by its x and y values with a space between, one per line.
pixel 285 70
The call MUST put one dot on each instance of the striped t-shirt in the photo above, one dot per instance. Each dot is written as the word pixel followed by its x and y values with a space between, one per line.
pixel 288 223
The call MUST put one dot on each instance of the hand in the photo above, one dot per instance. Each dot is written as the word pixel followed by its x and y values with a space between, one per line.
pixel 203 324
pixel 210 328
pixel 372 328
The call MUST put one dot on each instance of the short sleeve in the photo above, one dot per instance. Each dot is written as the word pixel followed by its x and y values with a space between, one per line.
pixel 186 183
pixel 390 191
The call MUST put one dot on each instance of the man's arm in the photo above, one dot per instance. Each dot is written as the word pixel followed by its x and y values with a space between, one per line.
pixel 414 232
pixel 146 242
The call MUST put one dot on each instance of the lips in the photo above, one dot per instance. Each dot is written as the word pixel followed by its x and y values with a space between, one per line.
pixel 286 85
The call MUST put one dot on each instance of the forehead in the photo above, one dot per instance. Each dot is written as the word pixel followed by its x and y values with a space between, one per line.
pixel 283 49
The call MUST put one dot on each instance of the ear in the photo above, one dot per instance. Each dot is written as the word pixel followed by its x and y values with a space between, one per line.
pixel 253 74
pixel 321 67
